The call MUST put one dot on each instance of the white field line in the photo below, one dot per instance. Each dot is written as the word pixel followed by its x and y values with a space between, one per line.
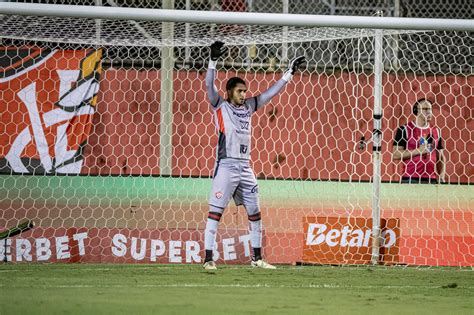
pixel 72 269
pixel 201 285
pixel 162 267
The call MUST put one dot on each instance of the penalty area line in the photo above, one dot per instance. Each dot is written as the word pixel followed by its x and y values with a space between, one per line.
pixel 202 285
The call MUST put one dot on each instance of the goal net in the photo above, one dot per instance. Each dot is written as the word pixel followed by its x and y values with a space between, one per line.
pixel 108 143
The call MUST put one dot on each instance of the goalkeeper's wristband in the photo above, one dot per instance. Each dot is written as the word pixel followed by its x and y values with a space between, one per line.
pixel 287 76
pixel 212 64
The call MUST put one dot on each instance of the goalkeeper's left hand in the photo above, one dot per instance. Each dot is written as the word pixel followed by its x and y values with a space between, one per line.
pixel 293 66
pixel 217 50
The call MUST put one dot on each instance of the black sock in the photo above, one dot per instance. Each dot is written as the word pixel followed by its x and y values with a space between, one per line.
pixel 257 253
pixel 208 255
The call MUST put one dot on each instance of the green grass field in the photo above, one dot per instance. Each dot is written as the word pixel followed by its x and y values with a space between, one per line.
pixel 188 289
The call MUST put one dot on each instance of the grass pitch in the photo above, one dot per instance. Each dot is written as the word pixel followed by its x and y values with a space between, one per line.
pixel 188 289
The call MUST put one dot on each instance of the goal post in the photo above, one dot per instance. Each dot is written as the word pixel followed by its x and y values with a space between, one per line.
pixel 236 18
pixel 377 147
pixel 108 143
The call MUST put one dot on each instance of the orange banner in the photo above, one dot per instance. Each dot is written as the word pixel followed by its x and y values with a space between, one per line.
pixel 337 240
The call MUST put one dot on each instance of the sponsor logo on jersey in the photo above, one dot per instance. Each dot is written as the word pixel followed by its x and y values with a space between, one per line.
pixel 244 125
pixel 241 115
pixel 218 195
pixel 242 132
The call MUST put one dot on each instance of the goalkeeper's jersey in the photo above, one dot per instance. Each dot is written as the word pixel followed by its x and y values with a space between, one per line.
pixel 234 125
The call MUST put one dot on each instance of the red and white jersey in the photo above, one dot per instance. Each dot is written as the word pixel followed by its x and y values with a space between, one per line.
pixel 410 137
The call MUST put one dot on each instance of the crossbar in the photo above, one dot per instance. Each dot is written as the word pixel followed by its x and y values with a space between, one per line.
pixel 247 18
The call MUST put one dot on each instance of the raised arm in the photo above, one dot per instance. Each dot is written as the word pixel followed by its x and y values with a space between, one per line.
pixel 217 50
pixel 266 96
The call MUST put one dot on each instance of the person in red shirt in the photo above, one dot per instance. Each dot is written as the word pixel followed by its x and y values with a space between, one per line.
pixel 420 147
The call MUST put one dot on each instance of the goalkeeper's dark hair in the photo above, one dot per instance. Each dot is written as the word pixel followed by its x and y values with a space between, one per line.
pixel 232 83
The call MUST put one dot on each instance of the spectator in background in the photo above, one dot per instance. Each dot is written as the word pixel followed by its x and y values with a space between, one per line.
pixel 420 147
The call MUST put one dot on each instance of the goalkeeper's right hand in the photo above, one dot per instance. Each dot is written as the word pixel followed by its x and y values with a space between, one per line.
pixel 217 50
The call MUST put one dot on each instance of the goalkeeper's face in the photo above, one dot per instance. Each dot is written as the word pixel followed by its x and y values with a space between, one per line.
pixel 237 94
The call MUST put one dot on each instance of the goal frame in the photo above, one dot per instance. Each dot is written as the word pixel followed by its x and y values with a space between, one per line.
pixel 168 16
pixel 277 19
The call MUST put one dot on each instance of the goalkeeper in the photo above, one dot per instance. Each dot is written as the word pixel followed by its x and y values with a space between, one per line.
pixel 233 176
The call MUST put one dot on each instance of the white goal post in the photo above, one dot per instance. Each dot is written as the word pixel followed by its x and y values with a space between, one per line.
pixel 243 18
pixel 373 41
